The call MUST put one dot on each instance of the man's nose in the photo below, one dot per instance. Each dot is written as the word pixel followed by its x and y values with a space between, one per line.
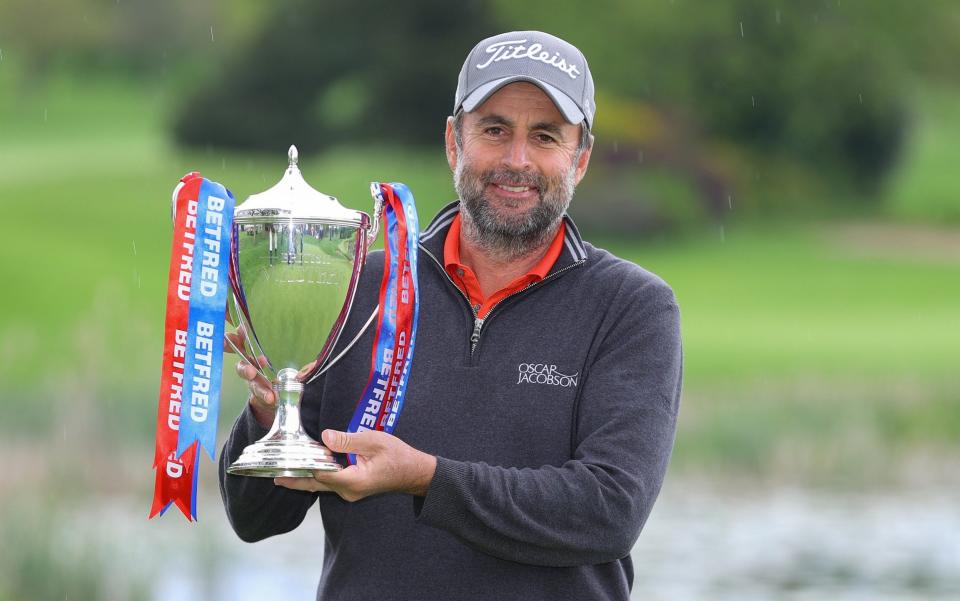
pixel 517 154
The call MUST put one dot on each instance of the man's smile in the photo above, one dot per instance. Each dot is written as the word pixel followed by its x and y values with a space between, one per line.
pixel 518 192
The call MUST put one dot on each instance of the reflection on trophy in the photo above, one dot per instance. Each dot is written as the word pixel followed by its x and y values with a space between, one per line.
pixel 296 257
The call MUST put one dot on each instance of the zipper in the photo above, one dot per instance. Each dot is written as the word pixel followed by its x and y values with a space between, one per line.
pixel 475 337
pixel 477 321
pixel 477 326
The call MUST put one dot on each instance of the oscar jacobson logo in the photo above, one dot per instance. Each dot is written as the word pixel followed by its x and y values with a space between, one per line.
pixel 545 373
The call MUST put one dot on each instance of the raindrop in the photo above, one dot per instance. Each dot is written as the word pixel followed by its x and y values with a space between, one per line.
pixel 1 54
pixel 616 146
pixel 730 202
pixel 640 156
pixel 211 33
pixel 753 101
pixel 723 235
pixel 860 96
pixel 741 29
pixel 44 114
pixel 778 17
pixel 134 248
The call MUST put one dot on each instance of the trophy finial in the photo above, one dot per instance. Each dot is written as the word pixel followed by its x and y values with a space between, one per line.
pixel 292 155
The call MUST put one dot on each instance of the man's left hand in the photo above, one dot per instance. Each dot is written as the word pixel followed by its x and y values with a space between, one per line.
pixel 384 464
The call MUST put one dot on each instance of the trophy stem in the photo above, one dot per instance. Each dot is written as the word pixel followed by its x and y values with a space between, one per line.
pixel 288 390
pixel 286 450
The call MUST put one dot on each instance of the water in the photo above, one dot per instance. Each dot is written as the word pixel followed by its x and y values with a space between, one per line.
pixel 700 543
pixel 796 544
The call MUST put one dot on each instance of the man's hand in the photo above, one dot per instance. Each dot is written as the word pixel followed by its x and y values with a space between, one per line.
pixel 262 399
pixel 384 464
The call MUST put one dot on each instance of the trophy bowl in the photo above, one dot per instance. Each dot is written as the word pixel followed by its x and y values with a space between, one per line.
pixel 296 256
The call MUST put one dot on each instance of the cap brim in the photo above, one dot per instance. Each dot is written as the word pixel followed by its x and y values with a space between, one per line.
pixel 567 107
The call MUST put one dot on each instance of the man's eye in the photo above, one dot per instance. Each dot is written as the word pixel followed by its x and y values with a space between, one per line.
pixel 494 131
pixel 545 139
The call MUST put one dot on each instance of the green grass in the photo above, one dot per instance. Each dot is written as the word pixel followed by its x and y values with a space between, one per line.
pixel 816 348
pixel 784 302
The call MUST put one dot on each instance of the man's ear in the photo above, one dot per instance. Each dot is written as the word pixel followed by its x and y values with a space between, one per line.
pixel 584 161
pixel 450 143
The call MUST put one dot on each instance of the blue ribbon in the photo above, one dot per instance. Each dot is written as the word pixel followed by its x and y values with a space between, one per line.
pixel 203 365
pixel 365 416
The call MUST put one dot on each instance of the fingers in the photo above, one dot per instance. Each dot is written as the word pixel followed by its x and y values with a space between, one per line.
pixel 305 370
pixel 349 483
pixel 235 340
pixel 308 484
pixel 245 370
pixel 262 395
pixel 384 464
pixel 232 343
pixel 344 442
pixel 336 441
pixel 249 372
pixel 368 442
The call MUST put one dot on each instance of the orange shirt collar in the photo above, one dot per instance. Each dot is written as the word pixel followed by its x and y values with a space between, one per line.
pixel 466 280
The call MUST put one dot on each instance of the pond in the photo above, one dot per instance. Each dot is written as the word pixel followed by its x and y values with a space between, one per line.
pixel 702 542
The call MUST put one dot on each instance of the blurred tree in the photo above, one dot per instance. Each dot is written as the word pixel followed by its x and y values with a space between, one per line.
pixel 37 30
pixel 139 40
pixel 322 73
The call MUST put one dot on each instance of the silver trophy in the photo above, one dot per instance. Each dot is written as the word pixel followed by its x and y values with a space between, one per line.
pixel 296 256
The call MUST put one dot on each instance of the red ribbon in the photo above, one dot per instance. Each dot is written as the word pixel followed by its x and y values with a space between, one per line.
pixel 176 477
pixel 401 303
pixel 382 399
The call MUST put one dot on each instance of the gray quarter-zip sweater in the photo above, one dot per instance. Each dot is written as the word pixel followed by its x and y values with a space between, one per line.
pixel 552 421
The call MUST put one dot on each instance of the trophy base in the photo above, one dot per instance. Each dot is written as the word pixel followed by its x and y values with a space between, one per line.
pixel 276 458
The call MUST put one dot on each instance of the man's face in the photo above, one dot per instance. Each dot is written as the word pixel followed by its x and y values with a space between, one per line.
pixel 516 169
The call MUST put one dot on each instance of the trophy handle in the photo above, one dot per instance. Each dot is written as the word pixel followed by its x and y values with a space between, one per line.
pixel 349 346
pixel 374 230
pixel 238 320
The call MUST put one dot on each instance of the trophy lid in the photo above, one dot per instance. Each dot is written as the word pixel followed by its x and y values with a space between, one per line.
pixel 293 198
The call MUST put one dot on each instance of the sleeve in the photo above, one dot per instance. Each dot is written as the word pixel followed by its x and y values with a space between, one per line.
pixel 256 507
pixel 590 509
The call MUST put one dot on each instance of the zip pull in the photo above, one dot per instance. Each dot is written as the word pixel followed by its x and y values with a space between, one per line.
pixel 475 337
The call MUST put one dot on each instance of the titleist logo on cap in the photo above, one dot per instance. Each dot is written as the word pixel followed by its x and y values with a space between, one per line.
pixel 510 49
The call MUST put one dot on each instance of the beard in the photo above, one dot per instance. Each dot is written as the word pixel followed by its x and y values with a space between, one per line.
pixel 511 236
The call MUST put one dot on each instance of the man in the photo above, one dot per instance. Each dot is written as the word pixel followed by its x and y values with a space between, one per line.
pixel 542 400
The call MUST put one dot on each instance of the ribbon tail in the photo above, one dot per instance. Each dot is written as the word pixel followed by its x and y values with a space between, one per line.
pixel 176 485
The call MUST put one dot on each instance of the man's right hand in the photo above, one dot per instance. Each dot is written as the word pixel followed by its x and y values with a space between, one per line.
pixel 262 399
